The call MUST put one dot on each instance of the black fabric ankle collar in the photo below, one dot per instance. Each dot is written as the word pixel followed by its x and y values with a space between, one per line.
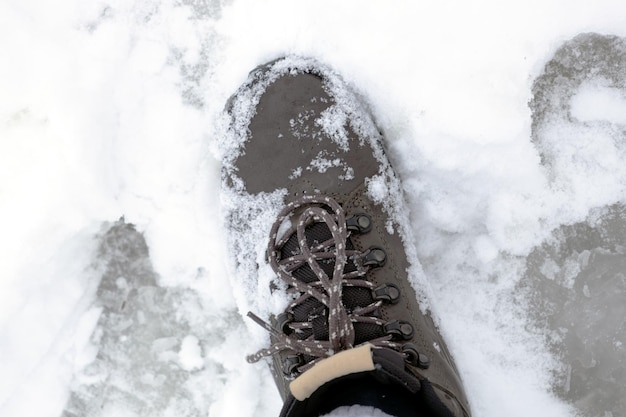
pixel 388 388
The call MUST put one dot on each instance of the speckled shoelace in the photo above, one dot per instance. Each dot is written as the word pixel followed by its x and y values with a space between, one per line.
pixel 327 290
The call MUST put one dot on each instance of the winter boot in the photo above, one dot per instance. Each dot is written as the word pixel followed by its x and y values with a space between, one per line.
pixel 305 166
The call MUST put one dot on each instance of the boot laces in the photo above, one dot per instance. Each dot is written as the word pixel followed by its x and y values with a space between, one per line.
pixel 325 288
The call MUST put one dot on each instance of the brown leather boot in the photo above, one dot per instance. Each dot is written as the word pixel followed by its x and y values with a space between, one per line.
pixel 305 152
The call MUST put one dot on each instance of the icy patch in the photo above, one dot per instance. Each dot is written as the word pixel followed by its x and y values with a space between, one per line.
pixel 578 115
pixel 574 280
pixel 577 282
pixel 563 275
pixel 142 353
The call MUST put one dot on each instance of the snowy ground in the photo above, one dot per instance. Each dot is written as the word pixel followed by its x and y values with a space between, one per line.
pixel 109 109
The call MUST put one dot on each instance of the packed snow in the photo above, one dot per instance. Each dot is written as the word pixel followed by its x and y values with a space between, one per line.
pixel 504 120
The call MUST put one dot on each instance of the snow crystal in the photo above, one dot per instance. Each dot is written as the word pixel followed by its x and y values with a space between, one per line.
pixel 299 127
pixel 348 174
pixel 333 122
pixel 323 164
pixel 296 173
